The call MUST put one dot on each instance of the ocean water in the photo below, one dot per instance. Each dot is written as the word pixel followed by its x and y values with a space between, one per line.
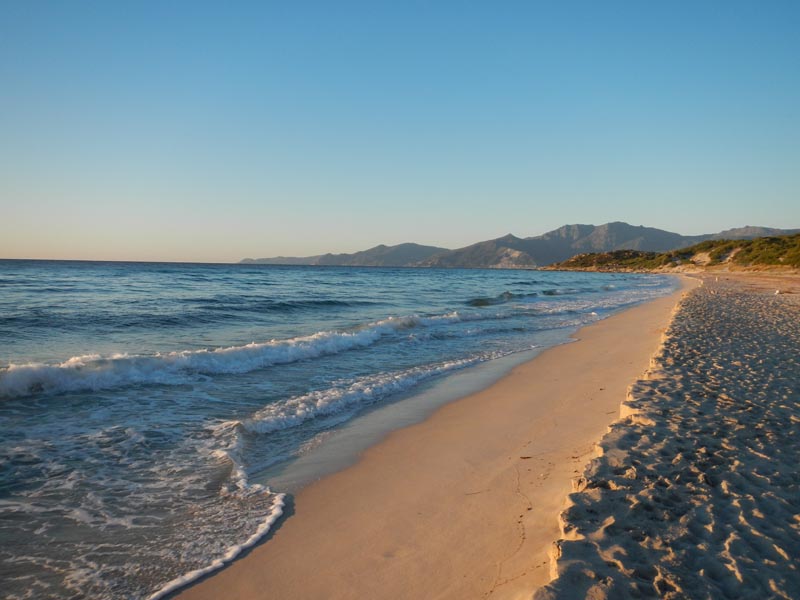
pixel 142 404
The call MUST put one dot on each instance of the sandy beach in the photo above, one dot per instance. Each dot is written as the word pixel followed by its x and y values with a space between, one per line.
pixel 400 301
pixel 696 494
pixel 464 504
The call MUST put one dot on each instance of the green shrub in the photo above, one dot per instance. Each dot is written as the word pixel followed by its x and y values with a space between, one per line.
pixel 766 251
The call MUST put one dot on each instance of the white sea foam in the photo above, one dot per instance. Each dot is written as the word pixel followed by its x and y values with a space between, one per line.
pixel 363 390
pixel 234 551
pixel 95 372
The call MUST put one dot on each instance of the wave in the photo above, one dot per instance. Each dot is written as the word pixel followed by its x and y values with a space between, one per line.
pixel 201 310
pixel 110 321
pixel 345 395
pixel 506 297
pixel 261 304
pixel 95 372
pixel 269 520
pixel 499 299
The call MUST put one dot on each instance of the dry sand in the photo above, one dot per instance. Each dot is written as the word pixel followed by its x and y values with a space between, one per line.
pixel 464 504
pixel 697 493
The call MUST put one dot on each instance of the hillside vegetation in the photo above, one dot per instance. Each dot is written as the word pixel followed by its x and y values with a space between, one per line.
pixel 771 251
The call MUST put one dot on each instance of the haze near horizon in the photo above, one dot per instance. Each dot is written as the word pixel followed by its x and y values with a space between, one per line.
pixel 194 132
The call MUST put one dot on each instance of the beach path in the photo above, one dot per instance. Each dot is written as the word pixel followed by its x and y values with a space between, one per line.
pixel 697 494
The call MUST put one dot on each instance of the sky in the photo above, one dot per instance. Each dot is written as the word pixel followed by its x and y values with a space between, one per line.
pixel 192 131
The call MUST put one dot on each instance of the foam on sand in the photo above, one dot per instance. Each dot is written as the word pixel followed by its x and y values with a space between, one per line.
pixel 275 513
pixel 696 493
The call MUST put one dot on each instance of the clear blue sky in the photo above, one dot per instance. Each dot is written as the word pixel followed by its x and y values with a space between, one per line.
pixel 210 132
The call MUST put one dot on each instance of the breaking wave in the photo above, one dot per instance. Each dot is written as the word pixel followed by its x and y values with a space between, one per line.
pixel 499 299
pixel 346 395
pixel 94 372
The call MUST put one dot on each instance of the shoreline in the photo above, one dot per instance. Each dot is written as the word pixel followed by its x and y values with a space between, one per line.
pixel 692 492
pixel 464 503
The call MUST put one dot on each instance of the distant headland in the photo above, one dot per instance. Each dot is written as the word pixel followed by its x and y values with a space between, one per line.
pixel 511 252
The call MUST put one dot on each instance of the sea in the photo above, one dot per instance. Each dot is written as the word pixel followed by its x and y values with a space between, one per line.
pixel 149 412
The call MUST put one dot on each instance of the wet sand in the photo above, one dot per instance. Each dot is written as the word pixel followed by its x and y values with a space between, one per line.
pixel 464 504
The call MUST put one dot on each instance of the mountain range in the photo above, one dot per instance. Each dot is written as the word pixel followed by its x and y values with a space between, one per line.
pixel 510 251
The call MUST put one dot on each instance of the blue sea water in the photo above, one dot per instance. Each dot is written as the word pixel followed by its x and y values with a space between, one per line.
pixel 141 404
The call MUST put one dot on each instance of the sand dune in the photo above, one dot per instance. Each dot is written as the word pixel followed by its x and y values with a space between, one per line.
pixel 697 491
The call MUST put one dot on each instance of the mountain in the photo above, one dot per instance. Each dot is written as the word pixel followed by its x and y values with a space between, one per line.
pixel 749 232
pixel 400 255
pixel 503 253
pixel 511 251
pixel 561 244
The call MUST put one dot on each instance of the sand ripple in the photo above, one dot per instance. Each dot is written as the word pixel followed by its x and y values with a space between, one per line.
pixel 697 491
